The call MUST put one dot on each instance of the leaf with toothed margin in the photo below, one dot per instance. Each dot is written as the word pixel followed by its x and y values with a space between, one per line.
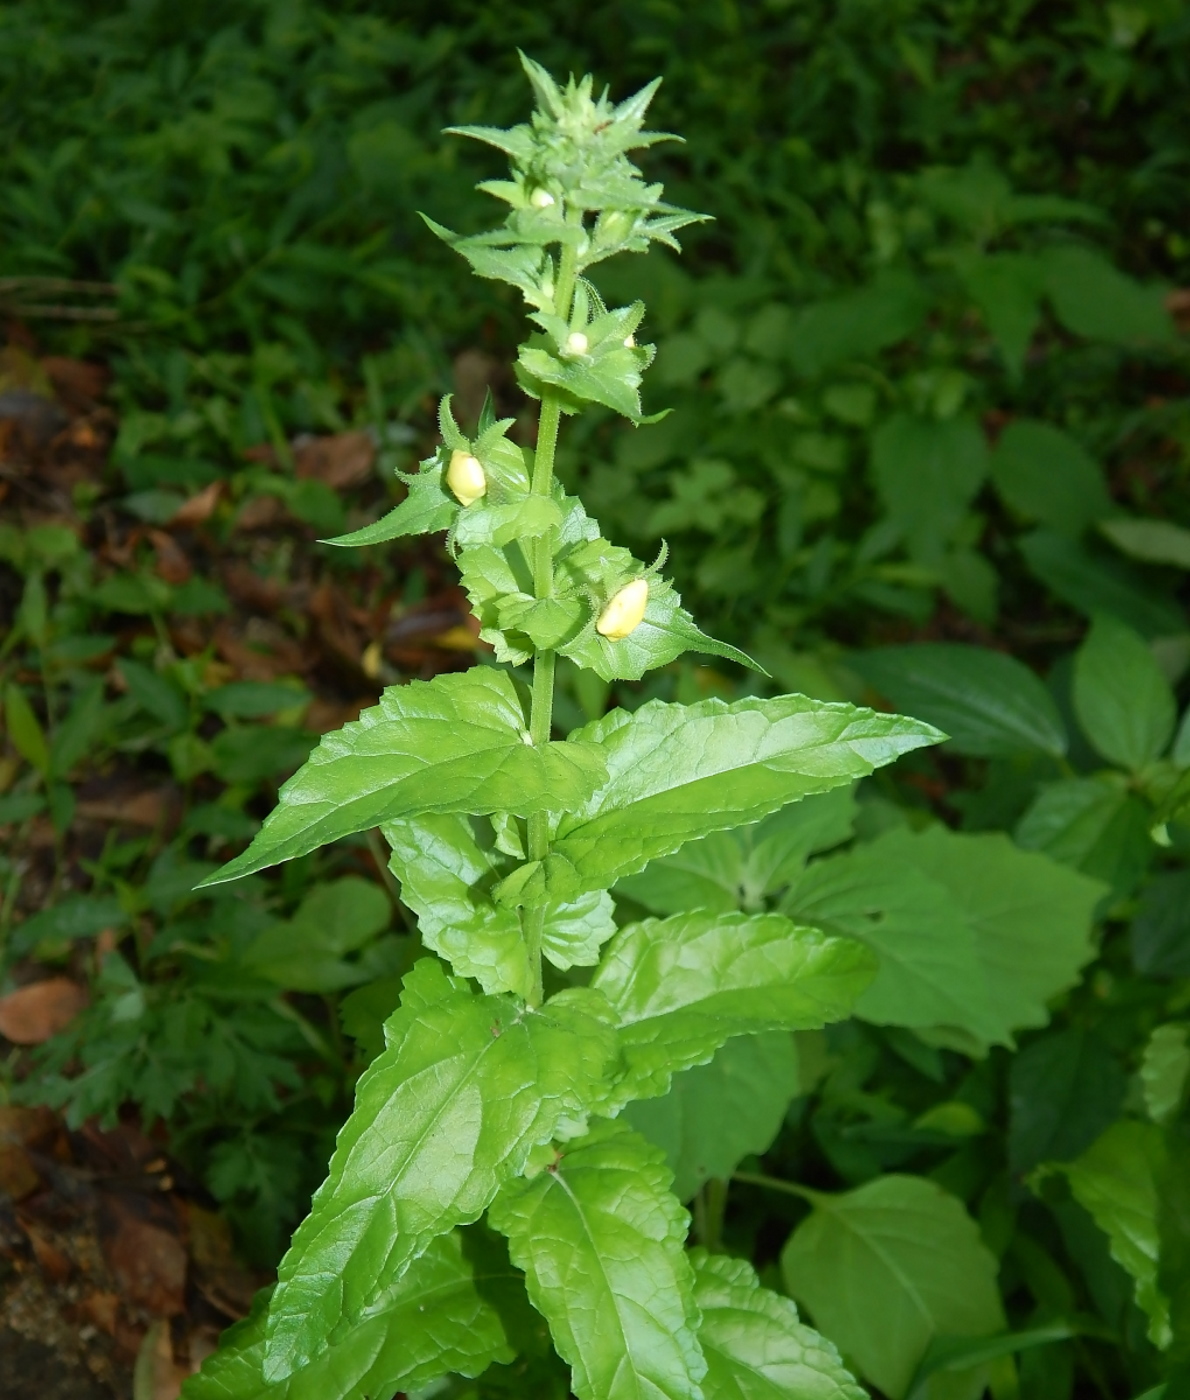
pixel 456 743
pixel 439 1318
pixel 447 875
pixel 678 772
pixel 466 1087
pixel 680 987
pixel 756 1346
pixel 427 508
pixel 600 1238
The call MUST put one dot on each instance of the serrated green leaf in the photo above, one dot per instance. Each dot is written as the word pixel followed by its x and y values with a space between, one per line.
pixel 1123 700
pixel 438 1318
pixel 423 1150
pixel 988 703
pixel 600 1238
pixel 456 743
pixel 1116 1181
pixel 447 878
pixel 738 869
pixel 1165 1071
pixel 680 772
pixel 681 987
pixel 755 1345
pixel 717 1114
pixel 427 508
pixel 500 523
pixel 887 1268
pixel 612 379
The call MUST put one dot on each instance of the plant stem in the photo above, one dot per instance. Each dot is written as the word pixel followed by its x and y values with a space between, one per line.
pixel 541 711
pixel 773 1183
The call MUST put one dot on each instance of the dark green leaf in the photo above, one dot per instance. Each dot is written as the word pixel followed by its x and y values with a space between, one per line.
pixel 1049 477
pixel 989 703
pixel 1124 702
pixel 1064 1090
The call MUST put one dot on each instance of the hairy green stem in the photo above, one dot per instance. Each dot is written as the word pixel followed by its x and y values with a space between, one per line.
pixel 541 712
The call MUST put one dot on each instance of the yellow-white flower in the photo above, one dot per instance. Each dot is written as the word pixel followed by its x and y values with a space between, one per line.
pixel 625 611
pixel 576 343
pixel 465 477
pixel 541 199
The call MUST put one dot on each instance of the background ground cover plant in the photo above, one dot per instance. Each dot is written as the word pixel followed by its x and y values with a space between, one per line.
pixel 931 170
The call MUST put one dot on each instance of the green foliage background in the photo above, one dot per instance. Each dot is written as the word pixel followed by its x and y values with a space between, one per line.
pixel 930 413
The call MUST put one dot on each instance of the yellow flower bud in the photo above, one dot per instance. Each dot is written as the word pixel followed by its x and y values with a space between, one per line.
pixel 576 343
pixel 629 342
pixel 541 199
pixel 465 477
pixel 625 611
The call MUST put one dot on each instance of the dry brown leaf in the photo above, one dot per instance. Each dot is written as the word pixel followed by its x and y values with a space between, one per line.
pixel 1177 304
pixel 30 1015
pixel 52 1259
pixel 172 564
pixel 76 378
pixel 18 1175
pixel 146 1259
pixel 199 508
pixel 101 1310
pixel 341 460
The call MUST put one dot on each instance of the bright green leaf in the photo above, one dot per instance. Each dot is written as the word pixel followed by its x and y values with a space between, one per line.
pixel 679 772
pixel 887 1268
pixel 456 743
pixel 438 1318
pixel 680 987
pixel 755 1345
pixel 423 1152
pixel 600 1238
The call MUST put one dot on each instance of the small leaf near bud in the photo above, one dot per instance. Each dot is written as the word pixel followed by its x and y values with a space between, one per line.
pixel 465 478
pixel 625 611
pixel 576 343
pixel 541 199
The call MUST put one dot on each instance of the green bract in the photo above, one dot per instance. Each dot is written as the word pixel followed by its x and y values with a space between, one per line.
pixel 499 1099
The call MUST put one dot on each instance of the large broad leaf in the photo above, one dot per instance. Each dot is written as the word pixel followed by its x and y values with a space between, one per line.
pixel 1064 1090
pixel 990 704
pixel 887 1268
pixel 600 1238
pixel 1094 299
pixel 680 987
pixel 929 967
pixel 1047 476
pixel 755 1345
pixel 1095 825
pixel 456 743
pixel 450 1110
pixel 927 472
pixel 438 1319
pixel 717 1114
pixel 447 877
pixel 857 324
pixel 1123 700
pixel 676 772
pixel 738 869
pixel 969 925
pixel 1151 541
pixel 1117 1181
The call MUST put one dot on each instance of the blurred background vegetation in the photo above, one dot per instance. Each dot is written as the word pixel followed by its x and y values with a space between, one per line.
pixel 930 386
